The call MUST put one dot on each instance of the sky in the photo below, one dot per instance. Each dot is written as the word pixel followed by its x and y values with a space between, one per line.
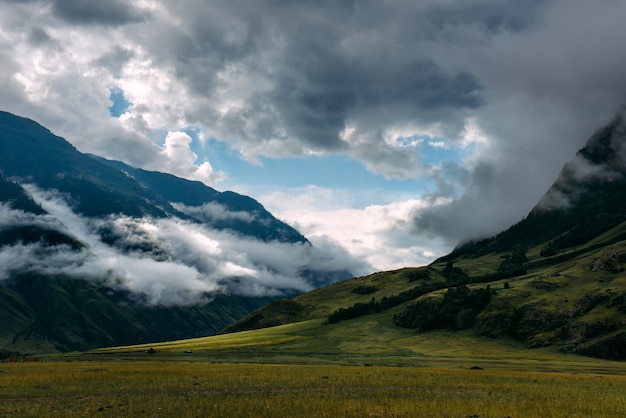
pixel 393 129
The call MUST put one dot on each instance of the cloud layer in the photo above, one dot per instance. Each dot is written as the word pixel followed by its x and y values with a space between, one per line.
pixel 167 261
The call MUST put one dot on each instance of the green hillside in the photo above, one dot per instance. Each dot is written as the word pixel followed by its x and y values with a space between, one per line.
pixel 577 305
pixel 322 302
pixel 556 309
pixel 555 279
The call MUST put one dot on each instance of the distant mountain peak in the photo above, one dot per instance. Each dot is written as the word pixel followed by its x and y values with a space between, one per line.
pixel 608 145
pixel 99 187
pixel 602 159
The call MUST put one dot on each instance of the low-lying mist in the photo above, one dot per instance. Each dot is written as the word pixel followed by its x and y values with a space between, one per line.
pixel 168 261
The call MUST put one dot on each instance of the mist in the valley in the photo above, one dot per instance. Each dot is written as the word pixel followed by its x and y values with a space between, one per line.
pixel 168 261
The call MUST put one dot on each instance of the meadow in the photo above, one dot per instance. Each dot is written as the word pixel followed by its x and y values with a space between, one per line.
pixel 363 367
pixel 153 388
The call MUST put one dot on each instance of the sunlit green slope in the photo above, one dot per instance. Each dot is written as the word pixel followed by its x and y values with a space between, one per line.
pixel 555 279
pixel 535 320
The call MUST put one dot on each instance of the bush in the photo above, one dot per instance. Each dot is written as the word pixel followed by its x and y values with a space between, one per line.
pixel 364 289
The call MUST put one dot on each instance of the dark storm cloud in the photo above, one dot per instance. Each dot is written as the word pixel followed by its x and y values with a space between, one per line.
pixel 548 87
pixel 318 109
pixel 115 59
pixel 492 15
pixel 316 68
pixel 491 194
pixel 39 36
pixel 109 12
pixel 290 78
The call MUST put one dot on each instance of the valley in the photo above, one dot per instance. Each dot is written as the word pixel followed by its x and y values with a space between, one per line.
pixel 537 309
pixel 368 209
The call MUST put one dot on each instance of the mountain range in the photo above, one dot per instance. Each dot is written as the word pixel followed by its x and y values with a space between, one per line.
pixel 94 252
pixel 94 231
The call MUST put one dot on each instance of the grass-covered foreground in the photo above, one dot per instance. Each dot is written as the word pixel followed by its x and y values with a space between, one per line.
pixel 198 389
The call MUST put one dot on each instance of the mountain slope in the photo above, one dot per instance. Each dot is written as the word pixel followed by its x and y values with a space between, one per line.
pixel 99 187
pixel 95 252
pixel 33 153
pixel 586 200
pixel 44 313
pixel 253 219
pixel 555 279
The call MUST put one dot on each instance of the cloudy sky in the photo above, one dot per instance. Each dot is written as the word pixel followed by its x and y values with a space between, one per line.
pixel 393 128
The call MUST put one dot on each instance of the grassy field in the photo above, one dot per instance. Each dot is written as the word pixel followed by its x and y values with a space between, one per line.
pixel 309 369
pixel 362 367
pixel 365 340
pixel 198 389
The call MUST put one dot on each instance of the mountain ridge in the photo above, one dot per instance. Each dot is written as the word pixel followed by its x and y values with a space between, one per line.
pixel 97 252
pixel 194 193
pixel 589 186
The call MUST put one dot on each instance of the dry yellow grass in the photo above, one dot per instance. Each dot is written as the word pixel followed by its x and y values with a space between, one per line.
pixel 158 389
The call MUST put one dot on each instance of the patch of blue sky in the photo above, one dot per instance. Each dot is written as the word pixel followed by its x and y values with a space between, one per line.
pixel 119 102
pixel 158 137
pixel 326 171
pixel 196 144
pixel 434 154
pixel 433 150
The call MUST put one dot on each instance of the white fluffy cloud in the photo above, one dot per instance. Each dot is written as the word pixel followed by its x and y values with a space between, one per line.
pixel 378 234
pixel 211 212
pixel 167 261
pixel 178 159
pixel 293 78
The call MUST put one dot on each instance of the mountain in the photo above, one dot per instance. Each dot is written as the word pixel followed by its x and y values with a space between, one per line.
pixel 586 200
pixel 100 187
pixel 254 221
pixel 94 252
pixel 555 279
pixel 46 313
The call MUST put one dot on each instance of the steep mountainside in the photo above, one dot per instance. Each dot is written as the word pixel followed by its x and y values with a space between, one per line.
pixel 557 278
pixel 99 187
pixel 586 200
pixel 31 152
pixel 43 313
pixel 95 252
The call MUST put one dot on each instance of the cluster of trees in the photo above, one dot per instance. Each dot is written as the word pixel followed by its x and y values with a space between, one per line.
pixel 455 275
pixel 5 354
pixel 374 306
pixel 512 265
pixel 456 310
pixel 364 289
